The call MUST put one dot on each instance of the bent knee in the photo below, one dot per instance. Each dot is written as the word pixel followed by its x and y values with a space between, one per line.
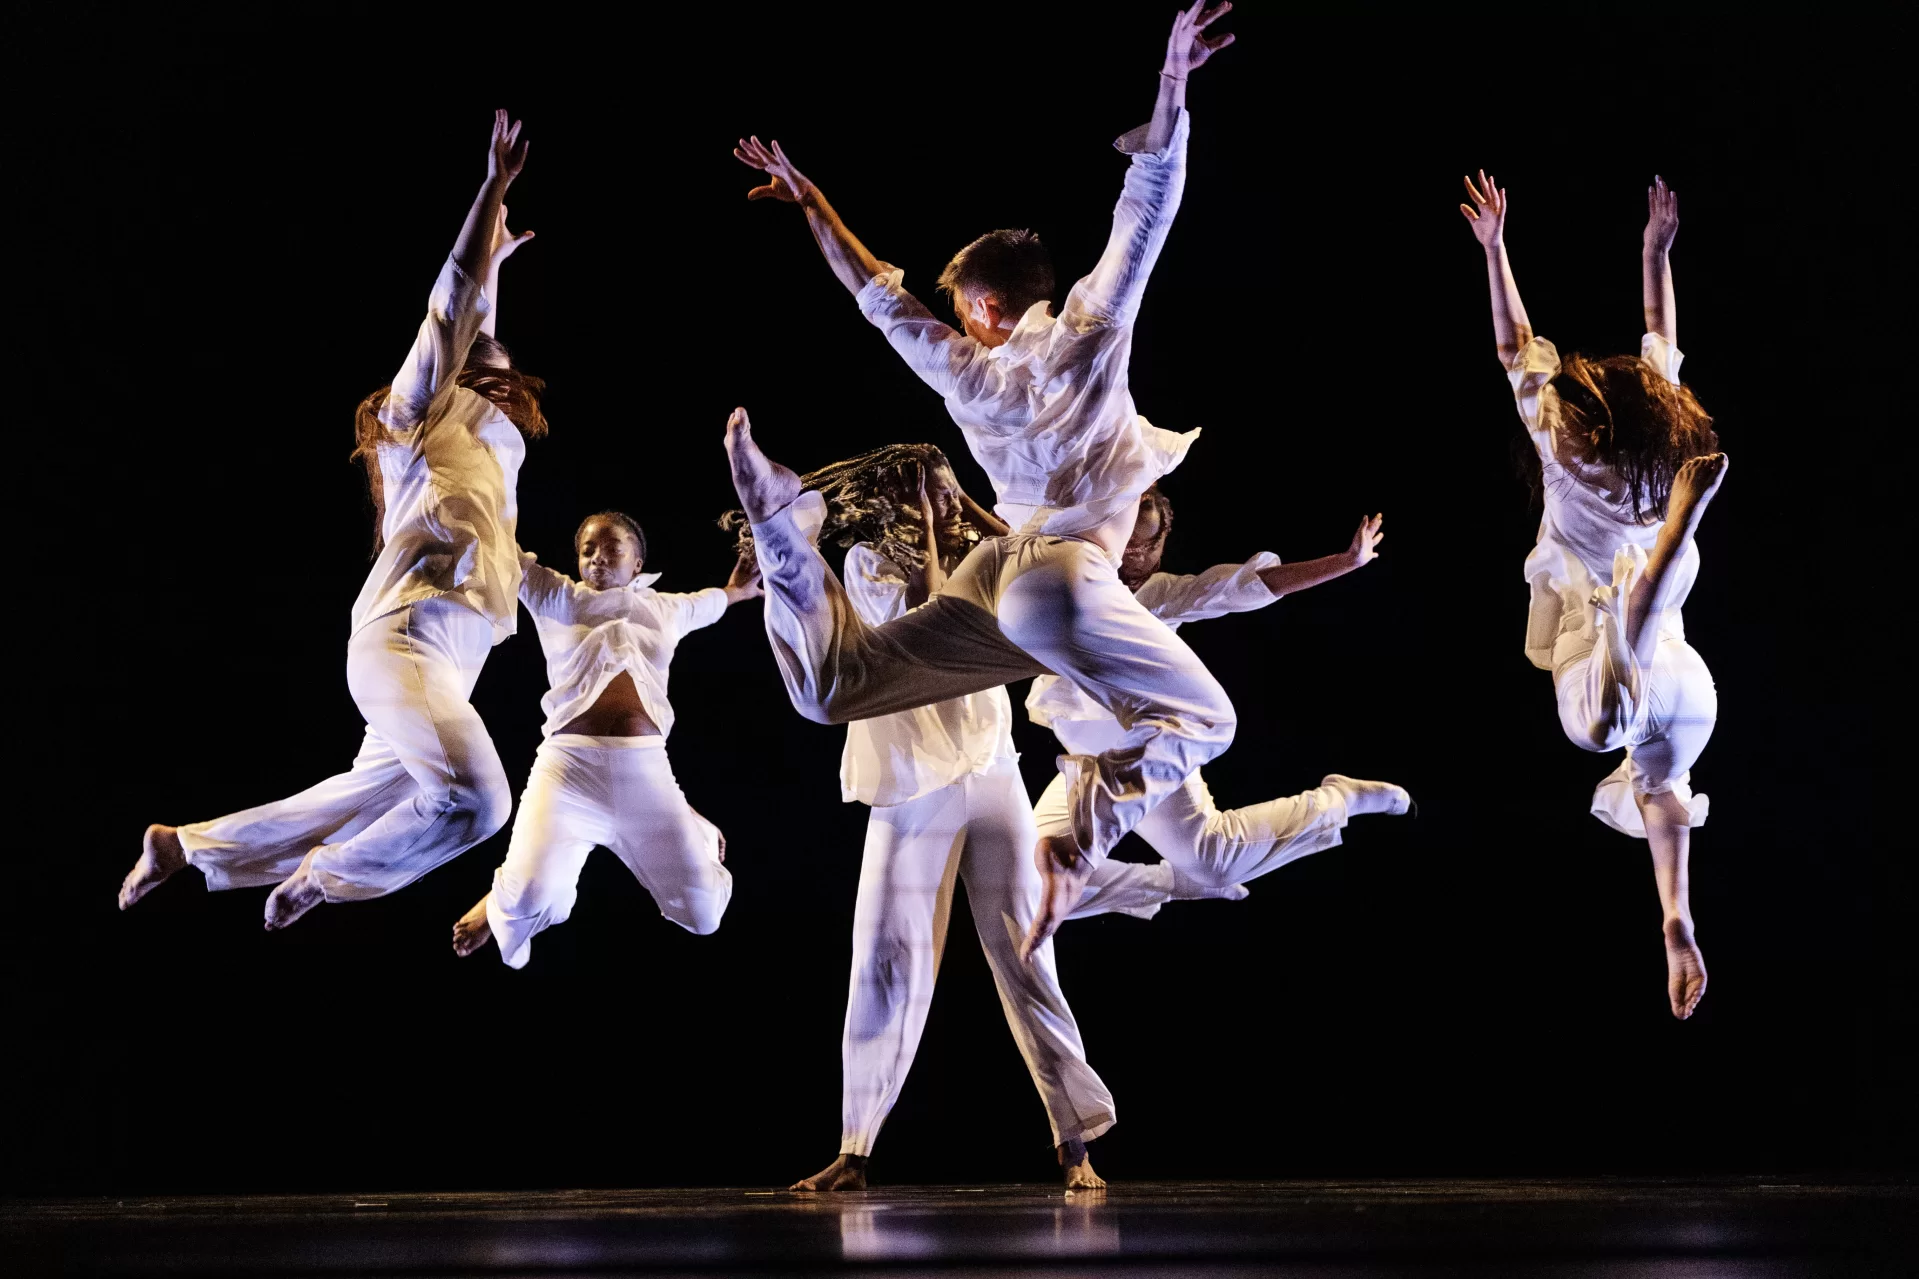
pixel 488 800
pixel 518 898
pixel 1598 736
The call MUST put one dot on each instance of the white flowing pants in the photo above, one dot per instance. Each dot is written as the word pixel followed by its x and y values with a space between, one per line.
pixel 611 792
pixel 979 829
pixel 1213 848
pixel 1017 606
pixel 426 786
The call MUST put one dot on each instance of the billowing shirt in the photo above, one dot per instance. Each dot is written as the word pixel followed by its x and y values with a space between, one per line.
pixel 1588 510
pixel 893 758
pixel 1048 414
pixel 450 467
pixel 590 636
pixel 1173 598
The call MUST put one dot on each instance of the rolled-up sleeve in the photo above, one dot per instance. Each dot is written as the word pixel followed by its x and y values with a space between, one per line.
pixel 1662 355
pixel 1225 588
pixel 701 608
pixel 1531 368
pixel 1155 180
pixel 936 352
pixel 874 584
pixel 454 311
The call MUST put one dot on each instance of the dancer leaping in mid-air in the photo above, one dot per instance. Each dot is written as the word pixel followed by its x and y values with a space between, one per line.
pixel 1043 402
pixel 1628 464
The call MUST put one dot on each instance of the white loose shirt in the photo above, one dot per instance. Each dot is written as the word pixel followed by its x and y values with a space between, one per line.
pixel 1588 510
pixel 1048 414
pixel 450 467
pixel 893 758
pixel 590 636
pixel 1173 598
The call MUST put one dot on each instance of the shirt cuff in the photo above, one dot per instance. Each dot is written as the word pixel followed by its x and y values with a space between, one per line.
pixel 1133 142
pixel 881 294
pixel 1655 350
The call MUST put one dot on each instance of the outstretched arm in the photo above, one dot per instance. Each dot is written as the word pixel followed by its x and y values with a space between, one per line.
pixel 1187 49
pixel 1662 225
pixel 473 251
pixel 1284 579
pixel 1487 215
pixel 852 265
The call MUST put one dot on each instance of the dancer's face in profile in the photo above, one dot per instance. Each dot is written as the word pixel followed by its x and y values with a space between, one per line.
pixel 949 516
pixel 609 556
pixel 1145 547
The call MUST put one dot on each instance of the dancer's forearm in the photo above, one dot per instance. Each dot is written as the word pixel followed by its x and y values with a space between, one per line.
pixel 1511 328
pixel 852 265
pixel 1284 579
pixel 1166 108
pixel 473 251
pixel 1662 311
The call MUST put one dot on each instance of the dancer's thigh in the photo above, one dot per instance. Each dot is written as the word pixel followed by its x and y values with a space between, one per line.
pixel 562 817
pixel 411 679
pixel 1002 880
pixel 671 850
pixel 1683 706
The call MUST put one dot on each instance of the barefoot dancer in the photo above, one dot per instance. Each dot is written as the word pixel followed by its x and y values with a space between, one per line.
pixel 1206 850
pixel 601 777
pixel 1044 405
pixel 442 447
pixel 947 802
pixel 1627 467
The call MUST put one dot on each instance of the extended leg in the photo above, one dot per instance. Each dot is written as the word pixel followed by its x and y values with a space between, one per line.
pixel 1669 832
pixel 671 850
pixel 562 817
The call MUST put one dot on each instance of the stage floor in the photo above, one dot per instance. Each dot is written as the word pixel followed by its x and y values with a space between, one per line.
pixel 1691 1228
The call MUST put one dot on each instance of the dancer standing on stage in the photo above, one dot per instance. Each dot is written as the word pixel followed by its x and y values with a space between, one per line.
pixel 1207 849
pixel 1043 402
pixel 947 802
pixel 1628 464
pixel 601 777
pixel 442 447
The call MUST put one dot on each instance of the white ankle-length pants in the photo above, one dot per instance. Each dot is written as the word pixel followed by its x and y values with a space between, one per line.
pixel 609 792
pixel 1214 848
pixel 1017 606
pixel 426 786
pixel 979 829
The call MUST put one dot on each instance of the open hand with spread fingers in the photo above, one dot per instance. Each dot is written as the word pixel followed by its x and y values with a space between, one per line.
pixel 507 155
pixel 504 241
pixel 1662 216
pixel 1188 47
pixel 787 183
pixel 1364 549
pixel 1487 212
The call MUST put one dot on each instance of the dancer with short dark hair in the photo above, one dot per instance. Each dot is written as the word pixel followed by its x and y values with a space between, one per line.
pixel 602 777
pixel 1044 405
pixel 1628 462
pixel 442 447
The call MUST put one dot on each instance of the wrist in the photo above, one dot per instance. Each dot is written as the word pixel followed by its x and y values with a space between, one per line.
pixel 1179 76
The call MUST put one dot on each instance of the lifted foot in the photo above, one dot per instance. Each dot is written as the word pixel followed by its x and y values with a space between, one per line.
pixel 1364 797
pixel 848 1172
pixel 1685 968
pixel 160 856
pixel 765 487
pixel 1078 1166
pixel 295 896
pixel 471 931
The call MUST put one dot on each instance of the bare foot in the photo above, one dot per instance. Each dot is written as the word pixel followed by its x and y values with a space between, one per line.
pixel 1364 797
pixel 1078 1166
pixel 160 856
pixel 765 487
pixel 295 896
pixel 1697 480
pixel 1685 968
pixel 848 1172
pixel 471 931
pixel 1063 874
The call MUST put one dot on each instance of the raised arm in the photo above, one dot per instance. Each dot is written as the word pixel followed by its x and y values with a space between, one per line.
pixel 473 251
pixel 852 265
pixel 1662 225
pixel 1487 216
pixel 1187 49
pixel 504 244
pixel 1284 579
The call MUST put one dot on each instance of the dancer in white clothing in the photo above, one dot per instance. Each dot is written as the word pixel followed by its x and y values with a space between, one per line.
pixel 442 447
pixel 1043 403
pixel 947 803
pixel 601 777
pixel 1628 464
pixel 1205 848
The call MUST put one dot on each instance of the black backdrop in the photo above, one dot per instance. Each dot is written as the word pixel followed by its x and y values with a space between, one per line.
pixel 239 222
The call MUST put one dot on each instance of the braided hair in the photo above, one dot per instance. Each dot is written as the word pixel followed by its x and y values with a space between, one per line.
pixel 871 498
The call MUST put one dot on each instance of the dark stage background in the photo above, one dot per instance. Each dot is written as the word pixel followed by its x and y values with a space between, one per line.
pixel 238 222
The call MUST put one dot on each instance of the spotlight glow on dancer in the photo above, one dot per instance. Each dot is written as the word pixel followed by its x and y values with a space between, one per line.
pixel 1206 849
pixel 947 802
pixel 1044 405
pixel 1627 467
pixel 601 777
pixel 442 447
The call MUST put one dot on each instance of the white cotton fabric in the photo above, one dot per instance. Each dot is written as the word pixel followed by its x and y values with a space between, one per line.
pixel 890 759
pixel 590 636
pixel 450 467
pixel 1049 414
pixel 613 792
pixel 1589 555
pixel 426 786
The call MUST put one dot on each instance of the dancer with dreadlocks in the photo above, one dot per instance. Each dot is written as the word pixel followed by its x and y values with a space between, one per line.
pixel 1044 403
pixel 1627 466
pixel 601 777
pixel 947 804
pixel 442 447
pixel 1206 849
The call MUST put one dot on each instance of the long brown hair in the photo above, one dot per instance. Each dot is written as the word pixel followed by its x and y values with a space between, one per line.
pixel 1622 413
pixel 870 498
pixel 515 394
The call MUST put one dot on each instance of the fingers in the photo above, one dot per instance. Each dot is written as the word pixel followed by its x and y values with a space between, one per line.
pixel 1213 15
pixel 1473 191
